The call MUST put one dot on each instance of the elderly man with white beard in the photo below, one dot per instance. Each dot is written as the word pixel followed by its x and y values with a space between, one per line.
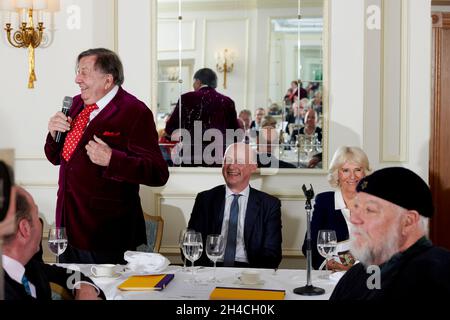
pixel 388 237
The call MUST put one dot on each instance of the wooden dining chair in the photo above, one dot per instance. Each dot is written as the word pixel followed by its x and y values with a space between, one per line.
pixel 154 226
pixel 60 293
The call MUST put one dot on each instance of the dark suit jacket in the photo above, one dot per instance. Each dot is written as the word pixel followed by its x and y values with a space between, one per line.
pixel 41 274
pixel 100 206
pixel 325 217
pixel 214 110
pixel 262 228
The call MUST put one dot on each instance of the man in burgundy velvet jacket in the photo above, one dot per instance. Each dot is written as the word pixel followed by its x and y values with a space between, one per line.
pixel 98 196
pixel 212 109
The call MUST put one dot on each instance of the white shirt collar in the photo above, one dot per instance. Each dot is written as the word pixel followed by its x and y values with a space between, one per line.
pixel 13 268
pixel 103 102
pixel 339 202
pixel 243 193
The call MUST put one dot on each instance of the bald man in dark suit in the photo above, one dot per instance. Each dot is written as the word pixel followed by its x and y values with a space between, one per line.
pixel 254 236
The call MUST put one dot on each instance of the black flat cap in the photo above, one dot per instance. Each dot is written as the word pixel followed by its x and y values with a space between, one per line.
pixel 400 186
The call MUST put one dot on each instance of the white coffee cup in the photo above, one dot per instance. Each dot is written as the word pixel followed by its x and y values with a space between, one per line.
pixel 250 277
pixel 103 270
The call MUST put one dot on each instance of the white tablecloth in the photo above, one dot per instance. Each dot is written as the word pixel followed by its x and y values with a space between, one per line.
pixel 182 288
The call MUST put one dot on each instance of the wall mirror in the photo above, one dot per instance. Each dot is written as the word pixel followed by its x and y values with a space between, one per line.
pixel 270 57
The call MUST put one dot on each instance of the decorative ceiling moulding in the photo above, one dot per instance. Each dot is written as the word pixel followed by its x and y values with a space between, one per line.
pixel 204 5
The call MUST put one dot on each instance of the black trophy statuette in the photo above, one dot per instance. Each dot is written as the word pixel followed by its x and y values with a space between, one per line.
pixel 309 289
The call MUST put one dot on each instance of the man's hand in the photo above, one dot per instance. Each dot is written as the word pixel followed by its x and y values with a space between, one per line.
pixel 313 162
pixel 59 122
pixel 336 266
pixel 99 152
pixel 86 292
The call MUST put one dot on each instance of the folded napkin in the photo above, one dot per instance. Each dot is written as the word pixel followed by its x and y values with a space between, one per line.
pixel 336 276
pixel 145 262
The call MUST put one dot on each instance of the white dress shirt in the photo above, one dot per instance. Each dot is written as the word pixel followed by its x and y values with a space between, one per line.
pixel 103 102
pixel 339 204
pixel 15 271
pixel 241 253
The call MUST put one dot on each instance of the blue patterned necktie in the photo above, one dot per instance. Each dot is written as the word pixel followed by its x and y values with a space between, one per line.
pixel 26 284
pixel 230 249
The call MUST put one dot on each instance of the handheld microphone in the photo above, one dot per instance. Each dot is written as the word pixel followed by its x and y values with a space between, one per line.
pixel 67 104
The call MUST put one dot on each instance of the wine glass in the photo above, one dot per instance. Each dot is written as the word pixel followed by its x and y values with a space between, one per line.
pixel 327 244
pixel 57 241
pixel 192 248
pixel 180 244
pixel 215 248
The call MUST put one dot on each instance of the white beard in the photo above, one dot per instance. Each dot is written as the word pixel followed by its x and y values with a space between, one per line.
pixel 370 253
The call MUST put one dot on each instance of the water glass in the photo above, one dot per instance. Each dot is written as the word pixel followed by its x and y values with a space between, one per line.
pixel 215 248
pixel 192 248
pixel 57 241
pixel 327 244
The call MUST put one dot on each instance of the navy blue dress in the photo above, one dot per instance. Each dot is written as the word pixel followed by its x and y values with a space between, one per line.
pixel 325 216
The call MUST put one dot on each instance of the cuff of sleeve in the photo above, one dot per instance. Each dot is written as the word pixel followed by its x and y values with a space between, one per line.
pixel 115 164
pixel 77 284
pixel 50 139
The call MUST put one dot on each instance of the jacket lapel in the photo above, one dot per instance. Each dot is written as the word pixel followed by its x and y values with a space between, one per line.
pixel 108 111
pixel 251 215
pixel 219 207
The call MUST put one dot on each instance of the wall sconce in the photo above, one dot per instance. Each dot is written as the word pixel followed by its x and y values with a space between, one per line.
pixel 27 36
pixel 225 64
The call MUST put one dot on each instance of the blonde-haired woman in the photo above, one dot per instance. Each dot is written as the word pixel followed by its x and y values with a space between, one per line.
pixel 332 208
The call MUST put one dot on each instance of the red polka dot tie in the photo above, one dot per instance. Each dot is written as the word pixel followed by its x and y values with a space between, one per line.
pixel 75 133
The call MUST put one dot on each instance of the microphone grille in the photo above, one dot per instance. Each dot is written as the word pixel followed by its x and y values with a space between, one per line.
pixel 67 102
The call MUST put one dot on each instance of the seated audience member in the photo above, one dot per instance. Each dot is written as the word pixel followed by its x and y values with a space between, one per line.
pixel 295 118
pixel 246 117
pixel 274 109
pixel 316 102
pixel 256 124
pixel 332 208
pixel 27 278
pixel 166 146
pixel 268 146
pixel 248 219
pixel 388 237
pixel 311 128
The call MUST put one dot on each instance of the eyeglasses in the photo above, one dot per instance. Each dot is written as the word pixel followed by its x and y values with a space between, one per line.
pixel 346 172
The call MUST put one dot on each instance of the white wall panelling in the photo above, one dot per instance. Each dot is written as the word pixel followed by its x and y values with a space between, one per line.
pixel 168 35
pixel 221 34
pixel 394 68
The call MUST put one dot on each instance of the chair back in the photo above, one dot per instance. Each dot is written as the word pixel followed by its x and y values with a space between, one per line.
pixel 154 226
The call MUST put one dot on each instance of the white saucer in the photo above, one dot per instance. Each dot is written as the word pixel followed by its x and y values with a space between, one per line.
pixel 115 275
pixel 239 282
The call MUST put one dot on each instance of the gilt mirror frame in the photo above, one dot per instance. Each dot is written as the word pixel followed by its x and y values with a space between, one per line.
pixel 325 84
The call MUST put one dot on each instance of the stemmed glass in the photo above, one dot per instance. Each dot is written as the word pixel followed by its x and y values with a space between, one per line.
pixel 215 248
pixel 192 248
pixel 57 241
pixel 180 244
pixel 327 244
